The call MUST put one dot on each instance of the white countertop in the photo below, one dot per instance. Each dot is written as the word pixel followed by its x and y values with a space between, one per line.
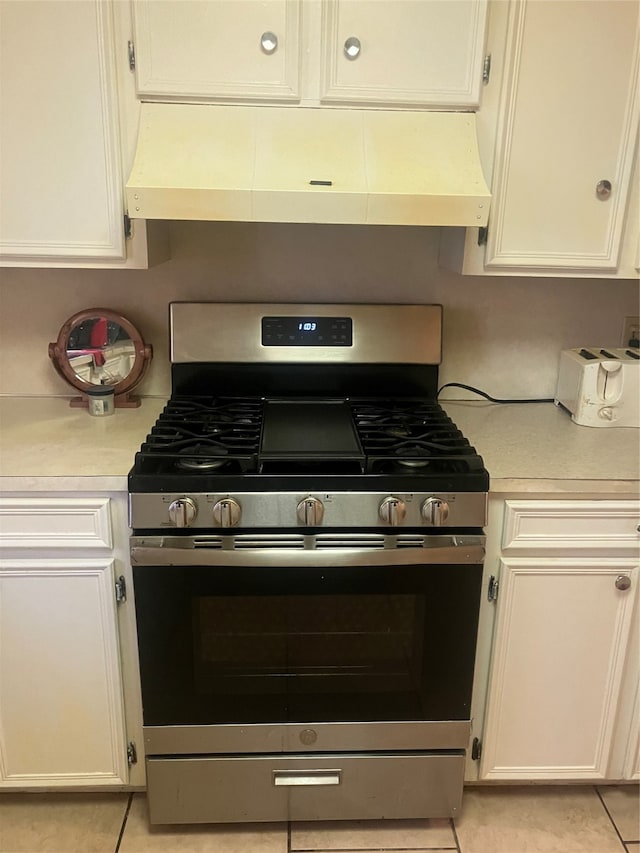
pixel 536 447
pixel 45 445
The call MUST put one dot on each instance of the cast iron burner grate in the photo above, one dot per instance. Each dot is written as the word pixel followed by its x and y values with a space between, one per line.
pixel 204 434
pixel 418 435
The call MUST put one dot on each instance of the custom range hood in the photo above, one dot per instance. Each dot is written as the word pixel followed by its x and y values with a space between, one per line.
pixel 279 164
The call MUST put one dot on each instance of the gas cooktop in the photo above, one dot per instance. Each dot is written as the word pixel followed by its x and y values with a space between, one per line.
pixel 208 442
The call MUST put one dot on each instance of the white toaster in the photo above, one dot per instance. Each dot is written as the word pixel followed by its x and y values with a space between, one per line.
pixel 600 387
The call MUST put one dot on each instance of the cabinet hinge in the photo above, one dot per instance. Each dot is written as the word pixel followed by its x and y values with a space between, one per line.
pixel 492 589
pixel 121 590
pixel 127 226
pixel 483 233
pixel 132 56
pixel 132 753
pixel 486 68
pixel 476 749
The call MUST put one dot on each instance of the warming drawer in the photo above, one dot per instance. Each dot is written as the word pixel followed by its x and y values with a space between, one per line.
pixel 272 788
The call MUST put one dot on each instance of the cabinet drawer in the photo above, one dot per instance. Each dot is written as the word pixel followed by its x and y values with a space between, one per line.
pixel 590 526
pixel 259 788
pixel 55 523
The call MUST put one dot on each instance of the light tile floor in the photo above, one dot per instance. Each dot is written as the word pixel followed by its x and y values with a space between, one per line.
pixel 536 819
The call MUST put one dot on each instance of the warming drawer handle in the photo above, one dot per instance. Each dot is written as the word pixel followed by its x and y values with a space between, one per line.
pixel 289 778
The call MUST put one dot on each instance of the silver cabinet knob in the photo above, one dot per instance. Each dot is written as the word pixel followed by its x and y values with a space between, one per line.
pixel 623 582
pixel 392 511
pixel 352 48
pixel 182 512
pixel 603 189
pixel 269 42
pixel 310 511
pixel 435 511
pixel 226 512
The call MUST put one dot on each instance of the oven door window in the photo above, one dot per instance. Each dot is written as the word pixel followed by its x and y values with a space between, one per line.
pixel 256 645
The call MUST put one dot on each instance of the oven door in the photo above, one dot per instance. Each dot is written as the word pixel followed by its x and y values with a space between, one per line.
pixel 276 648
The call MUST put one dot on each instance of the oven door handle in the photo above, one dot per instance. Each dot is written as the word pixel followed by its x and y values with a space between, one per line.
pixel 291 778
pixel 156 551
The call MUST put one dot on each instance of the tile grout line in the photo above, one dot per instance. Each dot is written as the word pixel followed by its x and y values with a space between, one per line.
pixel 377 849
pixel 455 836
pixel 385 849
pixel 608 813
pixel 124 822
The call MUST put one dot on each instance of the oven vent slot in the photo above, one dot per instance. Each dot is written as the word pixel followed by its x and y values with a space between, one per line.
pixel 213 542
pixel 406 540
pixel 293 542
pixel 337 540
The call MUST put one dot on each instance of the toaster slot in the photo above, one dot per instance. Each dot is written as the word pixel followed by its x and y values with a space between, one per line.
pixel 587 355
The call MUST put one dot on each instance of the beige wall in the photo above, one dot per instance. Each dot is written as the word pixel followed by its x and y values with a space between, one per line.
pixel 503 335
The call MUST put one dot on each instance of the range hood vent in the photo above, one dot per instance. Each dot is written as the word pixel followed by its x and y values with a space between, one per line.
pixel 279 164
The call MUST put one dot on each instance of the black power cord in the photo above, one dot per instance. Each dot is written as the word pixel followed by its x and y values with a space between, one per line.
pixel 489 397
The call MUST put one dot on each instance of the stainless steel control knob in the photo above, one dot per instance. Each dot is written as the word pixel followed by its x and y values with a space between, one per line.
pixel 182 512
pixel 310 511
pixel 435 511
pixel 226 512
pixel 392 511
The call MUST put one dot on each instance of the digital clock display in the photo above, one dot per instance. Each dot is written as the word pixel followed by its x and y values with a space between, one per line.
pixel 307 332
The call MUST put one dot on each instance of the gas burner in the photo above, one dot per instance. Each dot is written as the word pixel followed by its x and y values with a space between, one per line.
pixel 201 457
pixel 399 431
pixel 412 455
pixel 213 429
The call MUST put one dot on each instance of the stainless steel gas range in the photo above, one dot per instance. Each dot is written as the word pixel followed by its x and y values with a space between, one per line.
pixel 307 554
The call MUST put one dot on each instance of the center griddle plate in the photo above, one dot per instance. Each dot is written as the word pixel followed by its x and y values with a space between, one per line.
pixel 309 431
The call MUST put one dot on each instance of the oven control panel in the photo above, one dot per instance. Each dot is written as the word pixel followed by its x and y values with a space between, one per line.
pixel 307 331
pixel 291 509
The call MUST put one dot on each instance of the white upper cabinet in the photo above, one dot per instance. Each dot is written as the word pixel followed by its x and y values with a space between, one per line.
pixel 217 49
pixel 61 178
pixel 419 53
pixel 567 137
pixel 561 145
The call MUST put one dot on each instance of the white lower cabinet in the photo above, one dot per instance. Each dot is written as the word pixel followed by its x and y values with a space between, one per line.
pixel 63 720
pixel 61 709
pixel 564 675
pixel 631 766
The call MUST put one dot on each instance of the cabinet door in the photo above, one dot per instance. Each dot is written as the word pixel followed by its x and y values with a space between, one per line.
pixel 631 769
pixel 217 49
pixel 568 123
pixel 61 706
pixel 629 723
pixel 62 192
pixel 427 53
pixel 562 633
